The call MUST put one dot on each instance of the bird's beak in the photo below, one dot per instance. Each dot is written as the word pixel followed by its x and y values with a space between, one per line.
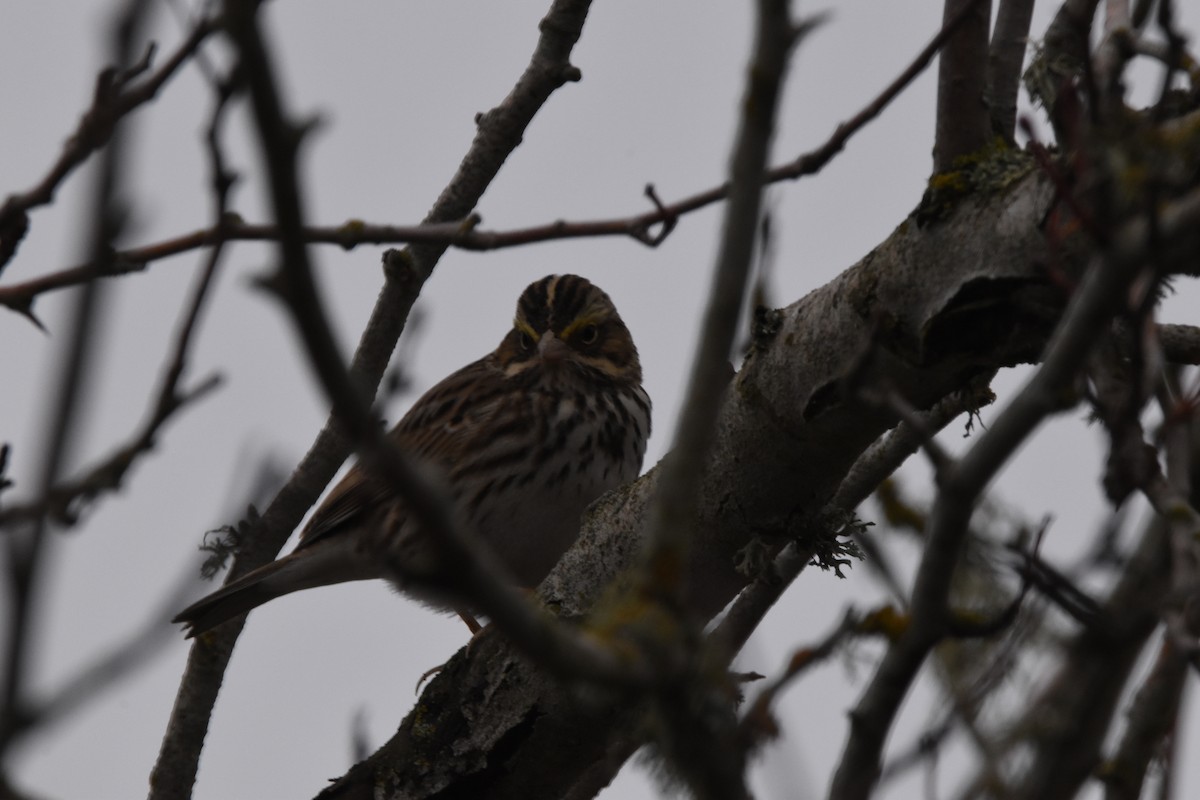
pixel 551 349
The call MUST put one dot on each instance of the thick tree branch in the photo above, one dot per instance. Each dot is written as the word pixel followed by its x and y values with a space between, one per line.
pixel 1006 55
pixel 963 124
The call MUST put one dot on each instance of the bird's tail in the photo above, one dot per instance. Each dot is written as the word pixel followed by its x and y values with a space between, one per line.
pixel 318 565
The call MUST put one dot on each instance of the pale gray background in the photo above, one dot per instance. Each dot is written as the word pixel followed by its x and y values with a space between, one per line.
pixel 397 84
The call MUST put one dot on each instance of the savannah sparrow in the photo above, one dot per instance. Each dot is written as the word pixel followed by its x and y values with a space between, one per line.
pixel 525 439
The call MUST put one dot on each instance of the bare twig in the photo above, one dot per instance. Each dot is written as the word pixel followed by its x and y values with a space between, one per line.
pixel 1141 12
pixel 26 545
pixel 113 99
pixel 1099 661
pixel 938 457
pixel 756 722
pixel 1176 53
pixel 64 502
pixel 451 225
pixel 960 626
pixel 1168 496
pixel 1088 683
pixel 1062 592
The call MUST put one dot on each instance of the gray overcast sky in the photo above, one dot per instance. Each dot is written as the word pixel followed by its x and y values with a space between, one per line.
pixel 397 85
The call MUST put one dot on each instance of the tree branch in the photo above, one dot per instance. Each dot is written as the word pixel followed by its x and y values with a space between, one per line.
pixel 1006 55
pixel 874 466
pixel 963 124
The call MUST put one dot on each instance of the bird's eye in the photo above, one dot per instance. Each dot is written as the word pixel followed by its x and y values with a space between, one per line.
pixel 525 340
pixel 589 335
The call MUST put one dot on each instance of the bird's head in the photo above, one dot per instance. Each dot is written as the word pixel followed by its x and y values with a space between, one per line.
pixel 566 325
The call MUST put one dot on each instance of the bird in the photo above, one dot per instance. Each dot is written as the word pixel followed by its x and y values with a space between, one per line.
pixel 523 439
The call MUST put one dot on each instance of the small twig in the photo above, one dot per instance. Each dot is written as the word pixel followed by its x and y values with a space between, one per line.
pixel 669 221
pixel 756 723
pixel 938 457
pixel 748 610
pixel 112 100
pixel 1141 12
pixel 444 227
pixel 1168 496
pixel 959 626
pixel 64 502
pixel 702 745
pixel 187 20
pixel 1112 53
pixel 1061 591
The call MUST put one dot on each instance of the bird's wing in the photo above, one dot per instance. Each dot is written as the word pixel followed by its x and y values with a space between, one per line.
pixel 346 507
pixel 437 430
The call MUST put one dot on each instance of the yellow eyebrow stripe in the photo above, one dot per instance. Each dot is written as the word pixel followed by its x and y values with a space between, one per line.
pixel 581 321
pixel 525 328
